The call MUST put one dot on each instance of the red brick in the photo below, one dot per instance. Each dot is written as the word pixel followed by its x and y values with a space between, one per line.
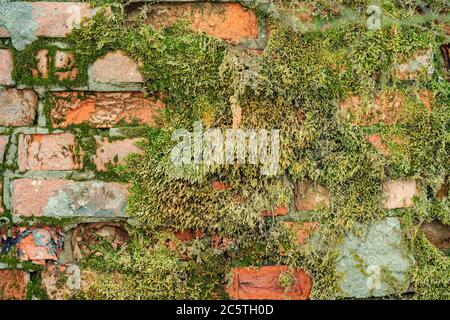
pixel 263 284
pixel 65 198
pixel 18 107
pixel 309 197
pixel 6 67
pixel 48 152
pixel 228 21
pixel 302 230
pixel 220 186
pixel 3 143
pixel 56 19
pixel 103 109
pixel 116 67
pixel 114 152
pixel 399 193
pixel 188 235
pixel 385 108
pixel 13 284
pixel 278 211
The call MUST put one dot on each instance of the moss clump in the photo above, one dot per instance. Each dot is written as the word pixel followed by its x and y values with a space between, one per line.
pixel 295 86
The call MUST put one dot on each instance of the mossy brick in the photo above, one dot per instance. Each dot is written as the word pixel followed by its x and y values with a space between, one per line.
pixel 231 22
pixel 114 152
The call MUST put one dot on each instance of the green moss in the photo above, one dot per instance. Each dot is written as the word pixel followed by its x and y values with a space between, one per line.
pixel 295 86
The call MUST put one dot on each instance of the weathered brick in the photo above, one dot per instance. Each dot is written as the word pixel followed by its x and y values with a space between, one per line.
pixel 55 19
pixel 39 245
pixel 103 109
pixel 114 152
pixel 264 283
pixel 309 197
pixel 228 21
pixel 42 66
pixel 6 67
pixel 421 62
pixel 69 198
pixel 385 108
pixel 302 230
pixel 13 284
pixel 48 152
pixel 399 193
pixel 3 143
pixel 18 107
pixel 116 67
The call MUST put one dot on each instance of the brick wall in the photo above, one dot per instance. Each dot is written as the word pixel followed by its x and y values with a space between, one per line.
pixel 43 171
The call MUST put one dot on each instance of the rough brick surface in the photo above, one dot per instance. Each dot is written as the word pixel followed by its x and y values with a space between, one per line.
pixel 114 152
pixel 42 67
pixel 18 107
pixel 103 109
pixel 228 21
pixel 54 19
pixel 263 283
pixel 48 152
pixel 6 67
pixel 13 284
pixel 399 193
pixel 3 143
pixel 67 198
pixel 309 197
pixel 116 67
